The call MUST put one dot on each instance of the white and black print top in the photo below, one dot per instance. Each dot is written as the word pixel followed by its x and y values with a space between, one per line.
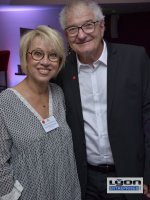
pixel 43 163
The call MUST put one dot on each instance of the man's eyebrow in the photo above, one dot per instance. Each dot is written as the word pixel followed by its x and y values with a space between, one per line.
pixel 74 25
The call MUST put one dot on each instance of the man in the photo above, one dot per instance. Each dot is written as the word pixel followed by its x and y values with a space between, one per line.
pixel 107 94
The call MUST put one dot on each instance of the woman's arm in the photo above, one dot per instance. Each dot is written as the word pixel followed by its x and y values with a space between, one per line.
pixel 8 189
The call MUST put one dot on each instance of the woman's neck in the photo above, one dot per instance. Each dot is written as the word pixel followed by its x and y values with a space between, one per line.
pixel 36 88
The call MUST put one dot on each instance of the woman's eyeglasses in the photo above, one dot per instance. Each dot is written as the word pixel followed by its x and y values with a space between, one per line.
pixel 39 55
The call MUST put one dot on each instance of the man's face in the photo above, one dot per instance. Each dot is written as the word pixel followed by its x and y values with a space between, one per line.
pixel 85 44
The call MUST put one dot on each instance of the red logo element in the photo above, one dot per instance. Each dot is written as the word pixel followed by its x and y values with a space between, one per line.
pixel 73 77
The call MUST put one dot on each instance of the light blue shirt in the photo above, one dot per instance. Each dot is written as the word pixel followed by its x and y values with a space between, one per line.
pixel 93 90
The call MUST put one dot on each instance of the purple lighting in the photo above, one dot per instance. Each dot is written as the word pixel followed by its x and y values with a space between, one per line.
pixel 22 8
pixel 12 18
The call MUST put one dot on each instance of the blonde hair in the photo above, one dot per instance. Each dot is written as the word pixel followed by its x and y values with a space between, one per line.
pixel 48 34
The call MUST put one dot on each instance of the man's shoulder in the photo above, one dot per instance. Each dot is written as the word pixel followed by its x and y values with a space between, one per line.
pixel 127 49
pixel 122 46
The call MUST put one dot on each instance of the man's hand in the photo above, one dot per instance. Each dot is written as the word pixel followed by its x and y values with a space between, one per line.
pixel 146 190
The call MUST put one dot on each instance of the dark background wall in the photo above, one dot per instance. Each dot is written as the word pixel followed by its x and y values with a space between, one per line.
pixel 130 28
pixel 123 25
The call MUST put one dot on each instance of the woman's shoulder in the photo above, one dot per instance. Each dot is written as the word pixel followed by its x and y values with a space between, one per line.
pixel 55 88
pixel 6 98
pixel 5 94
pixel 57 92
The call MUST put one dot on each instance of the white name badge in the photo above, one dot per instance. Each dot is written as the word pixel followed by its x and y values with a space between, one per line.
pixel 49 124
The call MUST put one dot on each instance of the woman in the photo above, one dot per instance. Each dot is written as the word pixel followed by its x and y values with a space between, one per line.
pixel 36 152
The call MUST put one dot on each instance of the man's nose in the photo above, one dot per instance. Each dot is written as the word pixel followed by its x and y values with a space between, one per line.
pixel 81 33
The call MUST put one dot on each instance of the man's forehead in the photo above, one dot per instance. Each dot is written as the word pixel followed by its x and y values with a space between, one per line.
pixel 79 16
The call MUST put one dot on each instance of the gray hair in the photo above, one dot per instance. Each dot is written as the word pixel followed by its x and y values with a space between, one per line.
pixel 51 36
pixel 93 6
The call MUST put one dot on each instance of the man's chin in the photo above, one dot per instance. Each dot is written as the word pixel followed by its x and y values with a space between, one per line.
pixel 85 57
pixel 85 53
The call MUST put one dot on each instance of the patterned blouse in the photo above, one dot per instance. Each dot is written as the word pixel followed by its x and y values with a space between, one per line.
pixel 43 163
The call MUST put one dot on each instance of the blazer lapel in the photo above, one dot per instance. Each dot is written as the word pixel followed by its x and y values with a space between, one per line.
pixel 74 82
pixel 74 86
pixel 111 74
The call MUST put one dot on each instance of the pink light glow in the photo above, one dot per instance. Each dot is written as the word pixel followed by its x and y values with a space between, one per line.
pixel 22 8
pixel 12 18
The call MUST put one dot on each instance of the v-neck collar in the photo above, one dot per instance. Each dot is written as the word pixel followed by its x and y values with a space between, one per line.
pixel 31 108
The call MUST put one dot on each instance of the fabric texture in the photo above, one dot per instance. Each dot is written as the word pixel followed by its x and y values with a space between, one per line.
pixel 43 163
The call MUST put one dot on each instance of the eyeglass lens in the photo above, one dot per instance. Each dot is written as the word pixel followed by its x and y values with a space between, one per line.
pixel 87 28
pixel 39 55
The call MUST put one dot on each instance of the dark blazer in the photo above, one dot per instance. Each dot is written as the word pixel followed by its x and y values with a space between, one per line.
pixel 128 108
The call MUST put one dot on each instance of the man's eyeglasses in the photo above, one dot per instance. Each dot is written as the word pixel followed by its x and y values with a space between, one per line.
pixel 38 55
pixel 88 27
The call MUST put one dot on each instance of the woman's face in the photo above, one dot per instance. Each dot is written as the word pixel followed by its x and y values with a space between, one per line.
pixel 43 61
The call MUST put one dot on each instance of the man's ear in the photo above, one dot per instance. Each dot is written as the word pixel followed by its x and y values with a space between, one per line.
pixel 102 24
pixel 102 27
